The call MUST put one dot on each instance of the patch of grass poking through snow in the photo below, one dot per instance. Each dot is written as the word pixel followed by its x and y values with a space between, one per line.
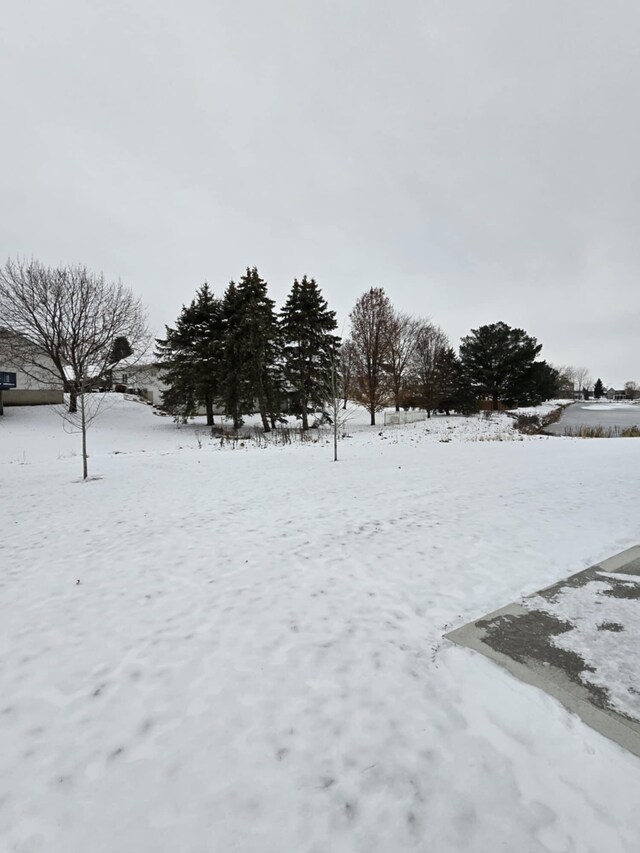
pixel 500 436
pixel 585 431
pixel 280 436
pixel 535 424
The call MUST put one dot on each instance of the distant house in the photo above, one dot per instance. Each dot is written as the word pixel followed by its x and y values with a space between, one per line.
pixel 616 394
pixel 144 381
pixel 141 379
pixel 35 386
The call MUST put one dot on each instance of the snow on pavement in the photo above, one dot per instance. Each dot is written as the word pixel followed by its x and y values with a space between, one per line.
pixel 253 661
pixel 604 616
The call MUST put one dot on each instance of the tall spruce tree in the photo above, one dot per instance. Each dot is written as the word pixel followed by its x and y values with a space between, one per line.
pixel 450 391
pixel 310 347
pixel 252 351
pixel 191 357
pixel 232 366
pixel 598 389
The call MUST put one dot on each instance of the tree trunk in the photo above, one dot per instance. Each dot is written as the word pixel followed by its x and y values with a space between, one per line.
pixel 209 406
pixel 83 423
pixel 264 418
pixel 73 399
pixel 372 412
pixel 305 418
pixel 495 402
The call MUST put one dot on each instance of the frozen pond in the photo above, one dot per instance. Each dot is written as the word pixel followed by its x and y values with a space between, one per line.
pixel 607 415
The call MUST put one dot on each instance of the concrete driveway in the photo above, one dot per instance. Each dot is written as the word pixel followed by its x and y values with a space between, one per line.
pixel 594 414
pixel 526 638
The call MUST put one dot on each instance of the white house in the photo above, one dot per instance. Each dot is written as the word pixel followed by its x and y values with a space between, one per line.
pixel 616 394
pixel 144 380
pixel 34 386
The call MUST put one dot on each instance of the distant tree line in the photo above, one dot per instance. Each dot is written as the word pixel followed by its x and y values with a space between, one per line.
pixel 409 362
pixel 576 382
pixel 237 353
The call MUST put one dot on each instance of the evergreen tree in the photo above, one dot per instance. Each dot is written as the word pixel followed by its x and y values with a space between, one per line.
pixel 540 382
pixel 310 348
pixel 120 350
pixel 191 357
pixel 598 389
pixel 232 367
pixel 498 363
pixel 252 351
pixel 450 390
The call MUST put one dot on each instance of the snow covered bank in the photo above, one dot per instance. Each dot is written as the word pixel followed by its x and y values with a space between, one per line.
pixel 215 650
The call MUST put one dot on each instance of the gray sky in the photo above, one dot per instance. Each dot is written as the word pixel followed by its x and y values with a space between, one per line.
pixel 479 159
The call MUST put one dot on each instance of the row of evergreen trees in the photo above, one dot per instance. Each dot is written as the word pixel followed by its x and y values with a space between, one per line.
pixel 237 353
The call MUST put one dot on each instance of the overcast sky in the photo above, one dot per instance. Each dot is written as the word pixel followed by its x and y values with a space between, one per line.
pixel 479 159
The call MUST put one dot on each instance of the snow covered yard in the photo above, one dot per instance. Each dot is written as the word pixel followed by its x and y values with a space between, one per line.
pixel 210 649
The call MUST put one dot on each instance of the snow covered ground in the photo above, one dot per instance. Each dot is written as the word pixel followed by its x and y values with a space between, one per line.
pixel 209 649
pixel 543 409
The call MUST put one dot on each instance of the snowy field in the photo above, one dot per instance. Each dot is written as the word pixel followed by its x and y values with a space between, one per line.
pixel 208 649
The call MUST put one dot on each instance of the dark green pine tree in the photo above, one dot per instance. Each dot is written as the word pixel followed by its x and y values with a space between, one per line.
pixel 232 366
pixel 191 357
pixel 310 347
pixel 598 389
pixel 498 360
pixel 540 382
pixel 449 383
pixel 120 350
pixel 252 351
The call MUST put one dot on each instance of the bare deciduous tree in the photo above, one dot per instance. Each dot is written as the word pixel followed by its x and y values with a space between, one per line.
pixel 370 328
pixel 632 389
pixel 430 347
pixel 582 380
pixel 566 380
pixel 64 325
pixel 403 332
